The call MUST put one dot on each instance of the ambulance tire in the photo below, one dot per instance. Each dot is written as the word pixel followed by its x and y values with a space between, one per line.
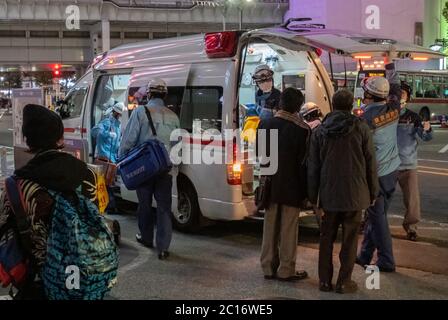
pixel 187 219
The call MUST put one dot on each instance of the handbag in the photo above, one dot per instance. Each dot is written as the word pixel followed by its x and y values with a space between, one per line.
pixel 110 170
pixel 144 162
pixel 263 193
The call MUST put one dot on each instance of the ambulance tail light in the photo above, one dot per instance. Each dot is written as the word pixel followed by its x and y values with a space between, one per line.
pixel 235 169
pixel 221 44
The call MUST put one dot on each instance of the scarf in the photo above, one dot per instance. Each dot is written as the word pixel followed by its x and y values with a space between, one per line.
pixel 292 117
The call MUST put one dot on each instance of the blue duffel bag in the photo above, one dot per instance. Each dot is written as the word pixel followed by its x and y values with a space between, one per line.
pixel 144 162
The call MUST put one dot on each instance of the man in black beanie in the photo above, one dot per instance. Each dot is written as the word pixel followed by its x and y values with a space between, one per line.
pixel 49 169
pixel 42 128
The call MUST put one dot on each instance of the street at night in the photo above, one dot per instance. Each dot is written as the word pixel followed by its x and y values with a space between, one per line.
pixel 251 155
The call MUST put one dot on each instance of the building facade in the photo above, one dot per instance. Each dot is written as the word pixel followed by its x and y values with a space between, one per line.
pixel 416 21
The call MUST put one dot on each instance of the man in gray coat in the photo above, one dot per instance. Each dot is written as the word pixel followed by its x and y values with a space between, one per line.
pixel 342 175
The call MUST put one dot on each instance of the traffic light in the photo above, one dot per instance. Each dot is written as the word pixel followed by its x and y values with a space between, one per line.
pixel 56 71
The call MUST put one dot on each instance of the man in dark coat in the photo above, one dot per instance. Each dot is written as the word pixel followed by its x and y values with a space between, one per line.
pixel 288 189
pixel 342 175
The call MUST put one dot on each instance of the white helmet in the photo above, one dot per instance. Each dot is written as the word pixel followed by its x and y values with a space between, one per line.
pixel 309 108
pixel 118 107
pixel 263 73
pixel 376 86
pixel 156 85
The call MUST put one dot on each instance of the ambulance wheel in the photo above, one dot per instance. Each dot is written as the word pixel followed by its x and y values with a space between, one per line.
pixel 186 219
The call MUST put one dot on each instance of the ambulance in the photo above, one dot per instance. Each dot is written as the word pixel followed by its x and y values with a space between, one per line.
pixel 209 80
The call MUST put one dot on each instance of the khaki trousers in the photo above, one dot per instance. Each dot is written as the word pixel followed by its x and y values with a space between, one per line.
pixel 408 181
pixel 278 252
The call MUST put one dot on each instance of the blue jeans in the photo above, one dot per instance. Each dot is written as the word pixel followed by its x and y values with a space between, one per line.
pixel 376 232
pixel 159 187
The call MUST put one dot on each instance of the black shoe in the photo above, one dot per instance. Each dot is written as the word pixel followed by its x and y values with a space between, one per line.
pixel 346 287
pixel 360 263
pixel 300 275
pixel 164 255
pixel 386 270
pixel 139 239
pixel 272 277
pixel 325 287
pixel 412 236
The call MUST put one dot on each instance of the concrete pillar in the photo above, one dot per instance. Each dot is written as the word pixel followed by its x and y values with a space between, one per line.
pixel 94 43
pixel 432 24
pixel 105 34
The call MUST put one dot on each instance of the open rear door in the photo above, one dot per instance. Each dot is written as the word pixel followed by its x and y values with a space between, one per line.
pixel 349 43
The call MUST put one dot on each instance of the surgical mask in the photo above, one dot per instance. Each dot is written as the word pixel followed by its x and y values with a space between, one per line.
pixel 265 86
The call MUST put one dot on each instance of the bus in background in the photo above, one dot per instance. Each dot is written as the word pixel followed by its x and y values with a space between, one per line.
pixel 430 92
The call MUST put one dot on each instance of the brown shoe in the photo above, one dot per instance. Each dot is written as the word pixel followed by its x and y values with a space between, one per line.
pixel 349 286
pixel 300 275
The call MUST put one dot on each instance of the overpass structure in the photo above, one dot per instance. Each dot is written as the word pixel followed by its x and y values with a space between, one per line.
pixel 36 34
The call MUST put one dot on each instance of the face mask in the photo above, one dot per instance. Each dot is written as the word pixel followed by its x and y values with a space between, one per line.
pixel 265 86
pixel 403 102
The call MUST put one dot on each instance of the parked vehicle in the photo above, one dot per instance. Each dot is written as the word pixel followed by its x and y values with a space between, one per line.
pixel 209 78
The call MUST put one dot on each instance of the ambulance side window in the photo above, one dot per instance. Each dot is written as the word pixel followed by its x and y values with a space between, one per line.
pixel 201 105
pixel 73 104
pixel 194 103
pixel 110 89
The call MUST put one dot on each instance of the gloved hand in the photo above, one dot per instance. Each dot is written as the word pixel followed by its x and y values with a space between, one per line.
pixel 113 135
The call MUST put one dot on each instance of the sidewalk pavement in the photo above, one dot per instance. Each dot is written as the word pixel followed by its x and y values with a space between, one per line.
pixel 222 263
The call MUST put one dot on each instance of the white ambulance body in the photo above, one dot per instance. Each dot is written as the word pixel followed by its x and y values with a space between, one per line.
pixel 209 78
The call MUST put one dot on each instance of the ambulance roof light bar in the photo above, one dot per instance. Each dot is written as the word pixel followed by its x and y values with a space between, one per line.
pixel 301 26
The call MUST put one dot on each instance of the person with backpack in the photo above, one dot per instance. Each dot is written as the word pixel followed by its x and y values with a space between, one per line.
pixel 153 121
pixel 108 136
pixel 342 181
pixel 44 202
pixel 287 189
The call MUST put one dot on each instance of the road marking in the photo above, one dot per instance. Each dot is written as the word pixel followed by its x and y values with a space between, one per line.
pixel 433 168
pixel 444 149
pixel 434 173
pixel 8 297
pixel 10 129
pixel 428 160
pixel 10 148
pixel 142 257
pixel 441 225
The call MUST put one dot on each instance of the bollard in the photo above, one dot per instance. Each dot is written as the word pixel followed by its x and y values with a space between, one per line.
pixel 3 161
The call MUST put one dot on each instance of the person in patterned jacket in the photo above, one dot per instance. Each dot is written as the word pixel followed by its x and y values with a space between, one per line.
pixel 52 169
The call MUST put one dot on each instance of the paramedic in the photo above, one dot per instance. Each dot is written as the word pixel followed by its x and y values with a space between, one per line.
pixel 137 132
